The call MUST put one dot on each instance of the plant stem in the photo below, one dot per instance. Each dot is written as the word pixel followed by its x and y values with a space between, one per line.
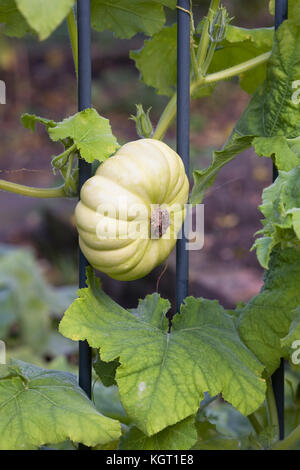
pixel 297 415
pixel 63 156
pixel 72 27
pixel 195 67
pixel 209 57
pixel 170 111
pixel 236 69
pixel 289 442
pixel 69 169
pixel 32 192
pixel 257 426
pixel 166 118
pixel 204 41
pixel 271 405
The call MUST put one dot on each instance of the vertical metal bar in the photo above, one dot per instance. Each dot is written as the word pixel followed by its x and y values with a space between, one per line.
pixel 84 101
pixel 278 387
pixel 281 12
pixel 183 133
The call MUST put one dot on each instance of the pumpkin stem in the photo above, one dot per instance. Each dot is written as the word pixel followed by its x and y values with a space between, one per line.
pixel 160 222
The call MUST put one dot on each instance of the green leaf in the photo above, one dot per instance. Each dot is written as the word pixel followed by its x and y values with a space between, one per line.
pixel 240 45
pixel 281 208
pixel 129 17
pixel 268 316
pixel 203 179
pixel 167 3
pixel 29 121
pixel 106 371
pixel 227 420
pixel 20 275
pixel 294 11
pixel 217 443
pixel 210 439
pixel 44 17
pixel 107 401
pixel 15 23
pixel 167 374
pixel 276 113
pixel 180 436
pixel 7 315
pixel 157 61
pixel 39 406
pixel 153 311
pixel 90 132
pixel 27 300
pixel 270 113
pixel 277 147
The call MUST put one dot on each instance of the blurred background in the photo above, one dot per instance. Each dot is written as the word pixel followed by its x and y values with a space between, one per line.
pixel 38 236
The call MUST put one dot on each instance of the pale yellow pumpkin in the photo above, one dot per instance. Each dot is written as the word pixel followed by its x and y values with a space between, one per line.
pixel 115 214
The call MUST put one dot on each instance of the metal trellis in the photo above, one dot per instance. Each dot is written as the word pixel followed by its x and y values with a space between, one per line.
pixel 281 12
pixel 84 101
pixel 183 133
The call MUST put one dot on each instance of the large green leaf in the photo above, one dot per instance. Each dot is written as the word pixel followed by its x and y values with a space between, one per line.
pixel 279 115
pixel 15 23
pixel 157 61
pixel 270 113
pixel 39 406
pixel 180 436
pixel 268 316
pixel 128 17
pixel 281 208
pixel 90 132
pixel 44 17
pixel 163 376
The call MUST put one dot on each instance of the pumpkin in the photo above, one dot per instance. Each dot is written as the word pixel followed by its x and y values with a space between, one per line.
pixel 132 209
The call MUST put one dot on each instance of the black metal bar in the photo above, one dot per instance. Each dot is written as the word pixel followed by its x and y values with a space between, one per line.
pixel 183 133
pixel 84 101
pixel 278 387
pixel 281 13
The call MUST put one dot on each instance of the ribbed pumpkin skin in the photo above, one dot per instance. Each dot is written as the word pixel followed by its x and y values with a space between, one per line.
pixel 143 172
